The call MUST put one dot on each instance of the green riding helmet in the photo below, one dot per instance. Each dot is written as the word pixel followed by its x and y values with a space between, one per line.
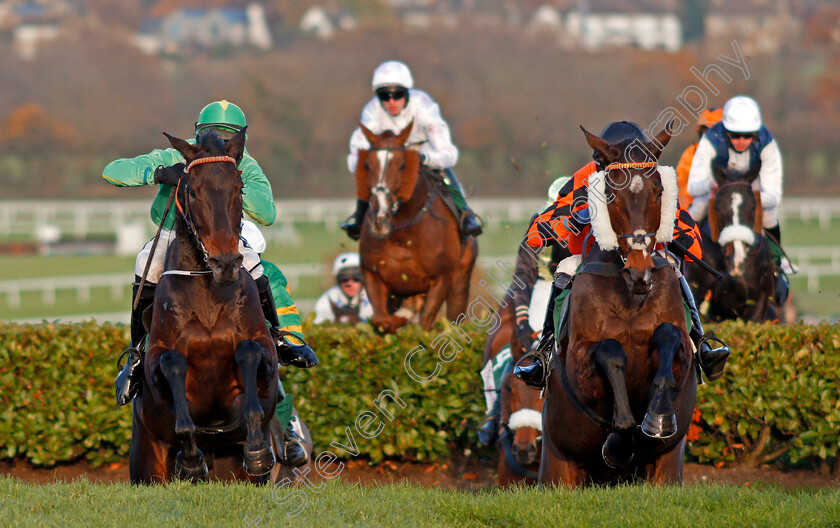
pixel 221 114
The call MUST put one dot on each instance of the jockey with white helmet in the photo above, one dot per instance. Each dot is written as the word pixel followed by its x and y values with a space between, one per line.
pixel 738 143
pixel 396 104
pixel 346 302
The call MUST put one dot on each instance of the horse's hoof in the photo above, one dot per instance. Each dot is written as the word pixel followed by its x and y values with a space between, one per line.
pixel 259 461
pixel 194 470
pixel 618 452
pixel 659 425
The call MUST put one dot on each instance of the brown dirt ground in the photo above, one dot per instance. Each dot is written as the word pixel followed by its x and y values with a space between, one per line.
pixel 452 475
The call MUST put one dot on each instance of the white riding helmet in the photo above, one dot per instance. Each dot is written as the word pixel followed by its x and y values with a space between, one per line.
pixel 252 235
pixel 554 188
pixel 344 261
pixel 392 73
pixel 741 114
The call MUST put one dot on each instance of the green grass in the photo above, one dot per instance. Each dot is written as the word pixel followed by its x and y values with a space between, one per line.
pixel 82 503
pixel 317 244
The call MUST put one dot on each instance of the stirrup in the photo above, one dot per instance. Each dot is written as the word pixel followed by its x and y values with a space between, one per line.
pixel 294 449
pixel 713 368
pixel 127 383
pixel 529 373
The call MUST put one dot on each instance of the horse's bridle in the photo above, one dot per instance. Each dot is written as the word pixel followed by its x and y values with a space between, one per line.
pixel 634 238
pixel 185 211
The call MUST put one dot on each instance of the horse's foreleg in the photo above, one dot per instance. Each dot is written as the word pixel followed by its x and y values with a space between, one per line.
pixel 611 359
pixel 661 418
pixel 557 470
pixel 258 456
pixel 378 293
pixel 147 457
pixel 438 290
pixel 189 463
pixel 668 467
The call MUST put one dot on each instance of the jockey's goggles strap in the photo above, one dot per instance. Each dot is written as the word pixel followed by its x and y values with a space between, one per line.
pixel 209 159
pixel 631 165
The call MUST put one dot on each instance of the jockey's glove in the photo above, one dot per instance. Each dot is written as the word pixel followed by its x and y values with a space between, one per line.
pixel 525 334
pixel 169 175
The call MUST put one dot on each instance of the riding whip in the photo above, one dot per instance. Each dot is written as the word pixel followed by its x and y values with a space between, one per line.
pixel 703 264
pixel 154 246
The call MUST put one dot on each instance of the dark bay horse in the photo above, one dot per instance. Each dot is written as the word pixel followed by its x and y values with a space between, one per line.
pixel 210 385
pixel 410 242
pixel 734 243
pixel 623 386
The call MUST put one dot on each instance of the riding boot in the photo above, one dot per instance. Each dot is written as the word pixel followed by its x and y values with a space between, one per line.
pixel 534 374
pixel 470 223
pixel 488 431
pixel 711 360
pixel 300 356
pixel 782 266
pixel 294 448
pixel 353 225
pixel 128 380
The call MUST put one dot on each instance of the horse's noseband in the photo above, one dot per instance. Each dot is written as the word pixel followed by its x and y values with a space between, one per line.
pixel 381 187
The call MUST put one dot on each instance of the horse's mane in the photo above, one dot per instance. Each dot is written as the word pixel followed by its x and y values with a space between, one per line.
pixel 210 142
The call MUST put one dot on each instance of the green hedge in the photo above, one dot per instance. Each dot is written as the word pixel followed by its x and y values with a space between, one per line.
pixel 778 402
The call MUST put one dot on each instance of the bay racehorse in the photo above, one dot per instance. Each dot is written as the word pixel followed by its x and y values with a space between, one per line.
pixel 734 243
pixel 410 242
pixel 210 385
pixel 623 383
pixel 521 406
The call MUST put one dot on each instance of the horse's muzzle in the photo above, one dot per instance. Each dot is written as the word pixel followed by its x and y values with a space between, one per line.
pixel 225 268
pixel 382 223
pixel 638 281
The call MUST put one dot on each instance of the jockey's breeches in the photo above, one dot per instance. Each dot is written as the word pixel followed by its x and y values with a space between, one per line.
pixel 250 258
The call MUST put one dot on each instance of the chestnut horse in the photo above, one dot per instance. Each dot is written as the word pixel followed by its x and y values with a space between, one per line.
pixel 627 357
pixel 210 385
pixel 735 243
pixel 411 242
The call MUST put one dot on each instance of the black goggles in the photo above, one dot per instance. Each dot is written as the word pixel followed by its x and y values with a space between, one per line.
pixel 741 135
pixel 388 95
pixel 349 278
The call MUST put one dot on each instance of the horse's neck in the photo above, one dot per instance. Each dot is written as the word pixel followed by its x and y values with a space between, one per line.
pixel 183 253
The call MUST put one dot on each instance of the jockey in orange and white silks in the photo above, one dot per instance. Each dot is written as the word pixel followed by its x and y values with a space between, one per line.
pixel 395 105
pixel 568 222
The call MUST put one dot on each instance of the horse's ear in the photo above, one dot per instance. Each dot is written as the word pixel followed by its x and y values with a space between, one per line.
pixel 236 145
pixel 718 175
pixel 187 150
pixel 752 174
pixel 371 137
pixel 403 136
pixel 662 139
pixel 607 152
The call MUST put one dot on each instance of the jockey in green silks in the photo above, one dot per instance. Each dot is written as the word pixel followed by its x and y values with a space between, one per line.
pixel 164 167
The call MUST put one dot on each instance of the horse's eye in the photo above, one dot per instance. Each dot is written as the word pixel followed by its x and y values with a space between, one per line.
pixel 367 166
pixel 402 167
pixel 192 193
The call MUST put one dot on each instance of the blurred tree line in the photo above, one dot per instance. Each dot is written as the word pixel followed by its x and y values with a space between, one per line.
pixel 514 102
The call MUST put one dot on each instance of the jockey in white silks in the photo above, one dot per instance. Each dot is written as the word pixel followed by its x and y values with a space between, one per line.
pixel 738 143
pixel 396 105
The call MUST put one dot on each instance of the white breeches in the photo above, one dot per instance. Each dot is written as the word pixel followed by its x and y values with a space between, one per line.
pixel 250 261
